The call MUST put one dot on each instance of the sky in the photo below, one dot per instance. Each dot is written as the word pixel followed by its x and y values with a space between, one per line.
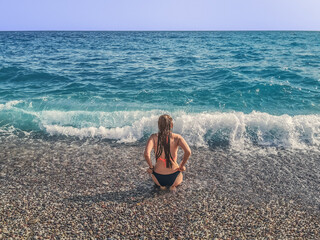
pixel 148 15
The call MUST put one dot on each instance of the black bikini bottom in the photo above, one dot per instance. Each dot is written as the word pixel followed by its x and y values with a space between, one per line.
pixel 166 179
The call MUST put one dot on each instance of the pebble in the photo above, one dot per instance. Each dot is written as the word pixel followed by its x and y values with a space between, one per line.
pixel 70 192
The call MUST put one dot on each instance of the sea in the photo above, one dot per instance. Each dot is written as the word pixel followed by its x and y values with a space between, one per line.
pixel 247 103
pixel 224 89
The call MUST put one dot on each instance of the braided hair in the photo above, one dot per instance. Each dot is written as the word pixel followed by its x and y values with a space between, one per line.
pixel 164 125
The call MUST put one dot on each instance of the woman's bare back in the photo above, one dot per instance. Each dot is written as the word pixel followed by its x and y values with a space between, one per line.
pixel 160 166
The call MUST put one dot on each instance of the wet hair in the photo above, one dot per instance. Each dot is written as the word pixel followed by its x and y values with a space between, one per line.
pixel 164 125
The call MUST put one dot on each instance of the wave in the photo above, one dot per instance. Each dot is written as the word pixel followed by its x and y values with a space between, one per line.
pixel 10 104
pixel 204 129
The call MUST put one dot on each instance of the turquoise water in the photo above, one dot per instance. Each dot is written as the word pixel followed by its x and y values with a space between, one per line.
pixel 222 88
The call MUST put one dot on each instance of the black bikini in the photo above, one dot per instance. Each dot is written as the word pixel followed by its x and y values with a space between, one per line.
pixel 166 179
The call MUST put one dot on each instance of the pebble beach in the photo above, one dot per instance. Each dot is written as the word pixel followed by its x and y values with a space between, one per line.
pixel 87 189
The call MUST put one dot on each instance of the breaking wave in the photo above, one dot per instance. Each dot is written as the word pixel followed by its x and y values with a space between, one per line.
pixel 204 129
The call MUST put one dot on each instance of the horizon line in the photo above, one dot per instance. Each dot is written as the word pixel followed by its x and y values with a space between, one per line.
pixel 241 30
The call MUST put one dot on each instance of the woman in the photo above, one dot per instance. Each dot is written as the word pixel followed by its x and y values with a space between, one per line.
pixel 166 172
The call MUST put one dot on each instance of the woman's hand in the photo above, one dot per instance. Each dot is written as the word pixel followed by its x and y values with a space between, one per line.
pixel 182 169
pixel 150 170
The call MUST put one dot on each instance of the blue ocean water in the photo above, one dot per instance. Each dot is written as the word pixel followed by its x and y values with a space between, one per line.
pixel 222 88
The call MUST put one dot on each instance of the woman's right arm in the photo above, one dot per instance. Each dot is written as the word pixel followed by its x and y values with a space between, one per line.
pixel 187 151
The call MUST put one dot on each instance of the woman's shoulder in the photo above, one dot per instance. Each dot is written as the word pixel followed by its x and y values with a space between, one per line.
pixel 154 135
pixel 176 136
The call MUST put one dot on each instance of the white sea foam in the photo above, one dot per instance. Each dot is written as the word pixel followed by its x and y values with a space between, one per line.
pixel 10 104
pixel 128 133
pixel 235 129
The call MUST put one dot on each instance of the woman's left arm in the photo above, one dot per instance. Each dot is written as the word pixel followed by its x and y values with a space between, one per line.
pixel 147 151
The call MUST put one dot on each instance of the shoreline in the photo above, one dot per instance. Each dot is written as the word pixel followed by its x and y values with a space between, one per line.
pixel 99 190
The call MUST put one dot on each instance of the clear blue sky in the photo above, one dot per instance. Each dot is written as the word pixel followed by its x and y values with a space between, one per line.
pixel 160 15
